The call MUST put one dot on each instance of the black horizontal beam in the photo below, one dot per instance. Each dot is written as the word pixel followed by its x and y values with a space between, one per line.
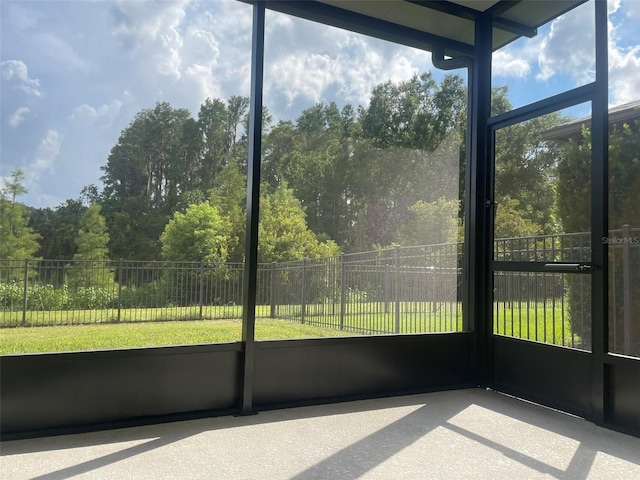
pixel 542 107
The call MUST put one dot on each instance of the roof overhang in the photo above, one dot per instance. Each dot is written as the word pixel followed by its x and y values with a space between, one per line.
pixel 447 26
pixel 618 115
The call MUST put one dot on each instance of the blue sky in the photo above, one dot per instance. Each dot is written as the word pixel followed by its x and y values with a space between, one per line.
pixel 74 73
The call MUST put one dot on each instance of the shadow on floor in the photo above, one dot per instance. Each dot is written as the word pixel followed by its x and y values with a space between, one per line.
pixel 482 432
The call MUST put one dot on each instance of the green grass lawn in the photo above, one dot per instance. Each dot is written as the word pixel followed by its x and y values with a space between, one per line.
pixel 69 330
pixel 126 315
pixel 379 322
pixel 131 335
pixel 541 323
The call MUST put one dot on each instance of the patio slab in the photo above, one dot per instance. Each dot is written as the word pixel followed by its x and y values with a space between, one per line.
pixel 458 434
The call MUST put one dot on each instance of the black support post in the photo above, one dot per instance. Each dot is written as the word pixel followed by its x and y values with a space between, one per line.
pixel 253 202
pixel 479 231
pixel 599 217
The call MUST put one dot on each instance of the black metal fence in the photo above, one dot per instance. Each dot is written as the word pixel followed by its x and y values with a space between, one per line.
pixel 398 290
pixel 624 290
pixel 565 247
pixel 58 292
pixel 542 306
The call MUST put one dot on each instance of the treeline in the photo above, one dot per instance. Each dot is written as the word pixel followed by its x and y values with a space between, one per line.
pixel 356 172
pixel 337 179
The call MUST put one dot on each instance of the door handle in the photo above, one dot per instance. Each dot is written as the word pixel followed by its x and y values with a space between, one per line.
pixel 567 267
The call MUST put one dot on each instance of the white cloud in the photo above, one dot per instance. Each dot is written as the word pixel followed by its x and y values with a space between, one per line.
pixel 152 30
pixel 204 80
pixel 139 22
pixel 200 47
pixel 307 76
pixel 306 61
pixel 362 71
pixel 624 61
pixel 613 6
pixel 569 49
pixel 199 58
pixel 46 155
pixel 106 113
pixel 18 116
pixel 506 65
pixel 570 46
pixel 624 74
pixel 185 51
pixel 16 71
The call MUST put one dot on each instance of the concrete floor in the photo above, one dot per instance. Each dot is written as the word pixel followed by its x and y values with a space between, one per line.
pixel 448 435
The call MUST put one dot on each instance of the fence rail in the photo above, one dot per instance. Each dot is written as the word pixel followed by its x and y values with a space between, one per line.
pixel 397 290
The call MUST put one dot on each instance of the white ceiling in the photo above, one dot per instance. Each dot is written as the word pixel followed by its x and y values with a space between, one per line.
pixel 480 5
pixel 529 13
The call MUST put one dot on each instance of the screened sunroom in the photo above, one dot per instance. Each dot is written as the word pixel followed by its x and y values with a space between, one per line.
pixel 426 210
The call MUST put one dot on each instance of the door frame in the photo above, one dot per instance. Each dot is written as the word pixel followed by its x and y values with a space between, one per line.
pixel 598 385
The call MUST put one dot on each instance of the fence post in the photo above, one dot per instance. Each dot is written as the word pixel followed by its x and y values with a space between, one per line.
pixel 626 288
pixel 120 277
pixel 201 293
pixel 25 284
pixel 435 292
pixel 387 287
pixel 343 293
pixel 334 284
pixel 272 290
pixel 303 306
pixel 397 289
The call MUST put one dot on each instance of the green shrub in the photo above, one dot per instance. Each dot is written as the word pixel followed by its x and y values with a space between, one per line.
pixel 47 297
pixel 148 295
pixel 92 298
pixel 11 296
pixel 39 297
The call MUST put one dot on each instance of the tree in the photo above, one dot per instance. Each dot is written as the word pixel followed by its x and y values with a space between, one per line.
pixel 624 176
pixel 163 161
pixel 236 112
pixel 229 195
pixel 218 123
pixel 13 188
pixel 93 236
pixel 189 198
pixel 574 184
pixel 90 264
pixel 198 235
pixel 511 221
pixel 574 178
pixel 58 228
pixel 417 113
pixel 146 162
pixel 574 189
pixel 144 178
pixel 283 231
pixel 278 143
pixel 213 122
pixel 432 223
pixel 526 170
pixel 17 240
